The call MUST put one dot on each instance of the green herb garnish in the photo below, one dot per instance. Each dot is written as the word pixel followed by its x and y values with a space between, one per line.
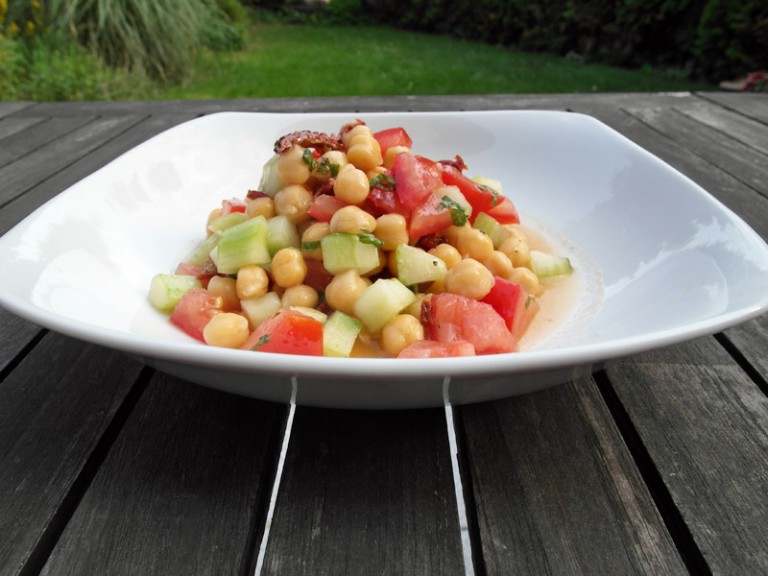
pixel 458 214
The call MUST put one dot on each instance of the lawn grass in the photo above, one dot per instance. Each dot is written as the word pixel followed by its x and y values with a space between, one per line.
pixel 300 60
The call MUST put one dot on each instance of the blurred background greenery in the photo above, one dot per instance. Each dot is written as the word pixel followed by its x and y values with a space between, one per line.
pixel 160 49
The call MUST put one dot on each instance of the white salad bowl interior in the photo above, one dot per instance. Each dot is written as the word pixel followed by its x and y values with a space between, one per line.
pixel 658 260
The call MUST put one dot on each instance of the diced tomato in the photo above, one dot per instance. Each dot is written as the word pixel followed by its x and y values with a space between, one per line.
pixel 288 332
pixel 430 217
pixel 194 311
pixel 198 272
pixel 513 304
pixel 482 198
pixel 433 349
pixel 505 212
pixel 415 178
pixel 324 206
pixel 451 317
pixel 393 137
pixel 233 205
pixel 385 201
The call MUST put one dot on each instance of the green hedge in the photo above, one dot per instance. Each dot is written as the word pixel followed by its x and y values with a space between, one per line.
pixel 713 39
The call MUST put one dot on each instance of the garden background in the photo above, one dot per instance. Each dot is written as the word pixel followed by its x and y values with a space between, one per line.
pixel 143 49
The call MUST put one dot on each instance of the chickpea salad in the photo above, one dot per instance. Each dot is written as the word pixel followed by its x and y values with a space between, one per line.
pixel 354 245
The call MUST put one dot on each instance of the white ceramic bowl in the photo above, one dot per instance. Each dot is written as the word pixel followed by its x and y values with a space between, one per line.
pixel 659 260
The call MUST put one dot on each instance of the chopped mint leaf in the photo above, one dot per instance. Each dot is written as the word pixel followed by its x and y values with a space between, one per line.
pixel 458 214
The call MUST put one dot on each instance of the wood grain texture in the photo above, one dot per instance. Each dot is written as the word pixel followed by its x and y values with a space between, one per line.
pixel 705 426
pixel 51 422
pixel 46 160
pixel 555 489
pixel 366 493
pixel 183 490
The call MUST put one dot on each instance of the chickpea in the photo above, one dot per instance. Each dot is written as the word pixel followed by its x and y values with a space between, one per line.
pixel 314 233
pixel 516 247
pixel 356 131
pixel 332 158
pixel 226 289
pixel 469 278
pixel 399 332
pixel 473 243
pixel 291 168
pixel 352 220
pixel 252 282
pixel 227 330
pixel 351 185
pixel 527 279
pixel 499 264
pixel 262 206
pixel 288 267
pixel 365 153
pixel 391 229
pixel 392 152
pixel 300 295
pixel 447 254
pixel 343 291
pixel 293 201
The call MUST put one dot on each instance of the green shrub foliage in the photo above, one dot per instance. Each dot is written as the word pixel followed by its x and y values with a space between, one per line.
pixel 713 39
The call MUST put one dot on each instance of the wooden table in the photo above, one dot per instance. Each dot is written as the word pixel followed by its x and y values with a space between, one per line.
pixel 657 464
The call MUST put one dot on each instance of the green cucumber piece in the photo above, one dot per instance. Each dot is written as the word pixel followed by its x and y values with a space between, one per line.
pixel 415 265
pixel 282 234
pixel 382 301
pixel 342 251
pixel 490 226
pixel 340 332
pixel 223 222
pixel 270 180
pixel 166 290
pixel 259 309
pixel 548 265
pixel 202 252
pixel 311 312
pixel 242 245
pixel 491 183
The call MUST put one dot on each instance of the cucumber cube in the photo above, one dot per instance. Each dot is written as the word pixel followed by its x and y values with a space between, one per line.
pixel 491 227
pixel 342 251
pixel 415 265
pixel 201 253
pixel 166 290
pixel 548 265
pixel 259 309
pixel 270 182
pixel 282 234
pixel 223 222
pixel 242 245
pixel 381 302
pixel 340 332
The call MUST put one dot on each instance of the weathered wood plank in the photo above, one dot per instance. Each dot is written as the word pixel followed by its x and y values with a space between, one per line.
pixel 728 152
pixel 556 491
pixel 36 136
pixel 29 170
pixel 55 408
pixel 704 424
pixel 366 493
pixel 8 108
pixel 15 334
pixel 184 489
pixel 746 103
pixel 11 126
